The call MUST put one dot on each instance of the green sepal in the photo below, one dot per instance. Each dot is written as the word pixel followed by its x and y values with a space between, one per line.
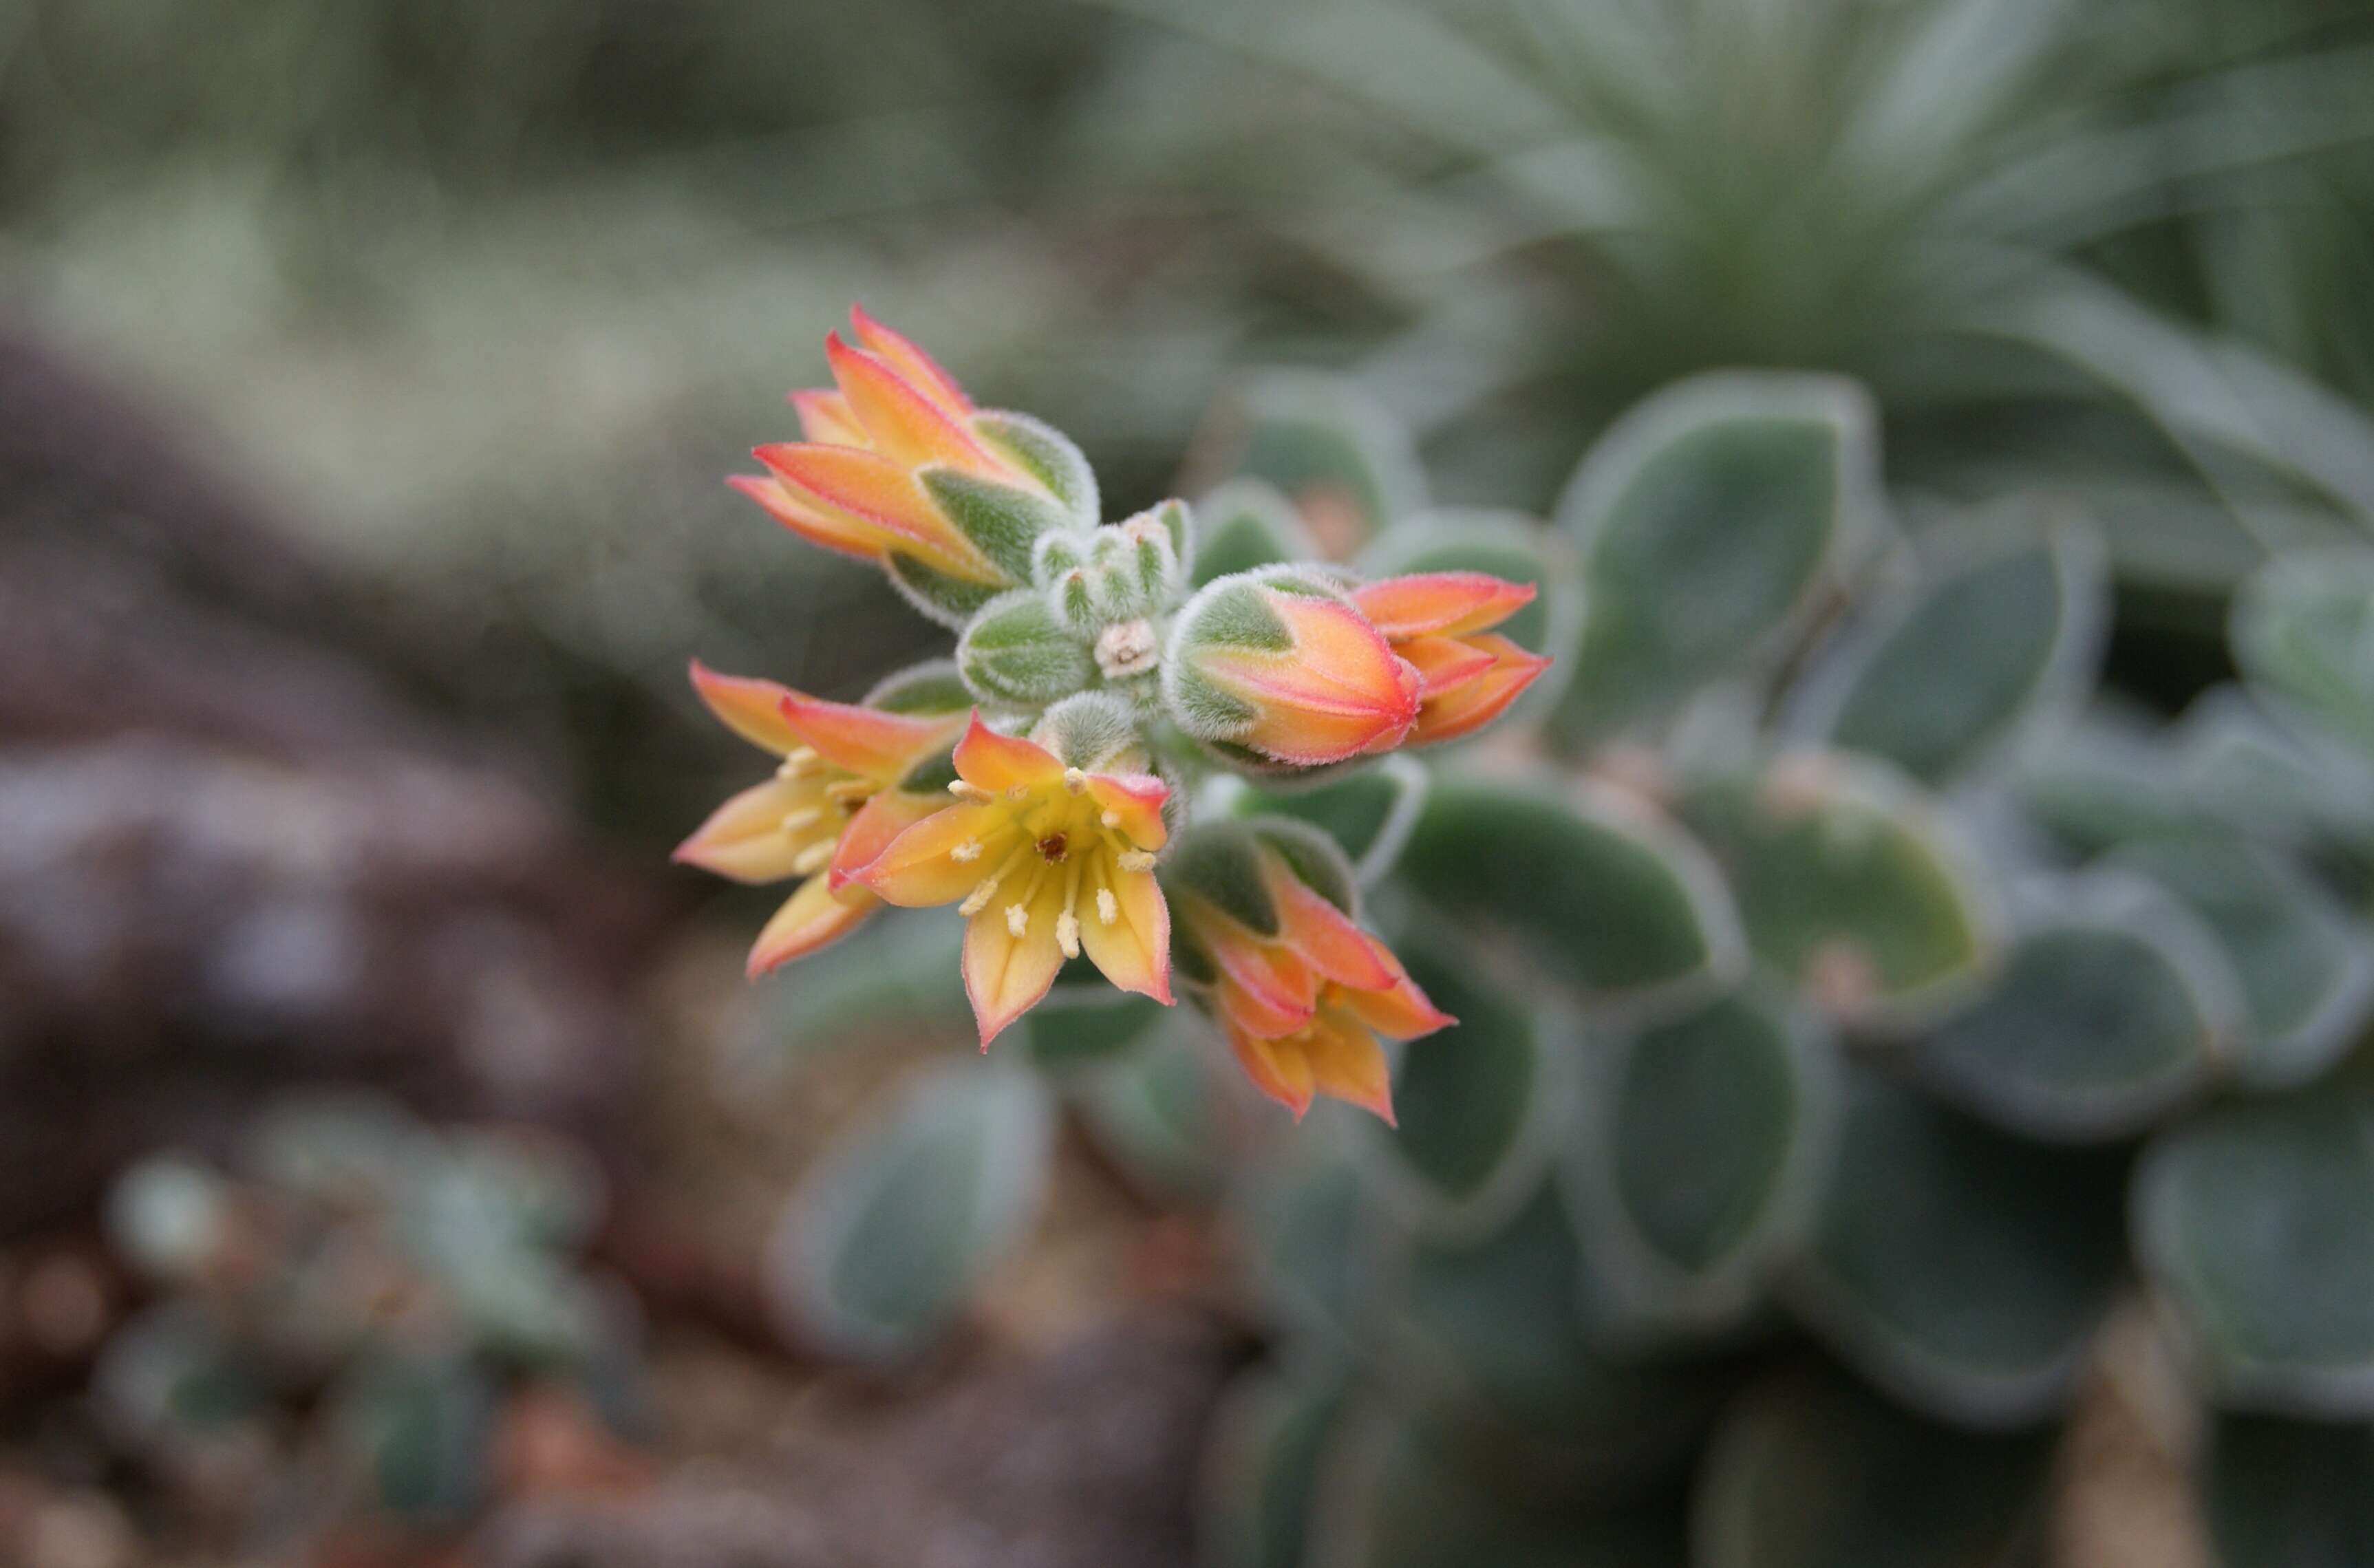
pixel 1048 455
pixel 1016 654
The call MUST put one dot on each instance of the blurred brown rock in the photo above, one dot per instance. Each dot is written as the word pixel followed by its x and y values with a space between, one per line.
pixel 243 845
pixel 1086 1459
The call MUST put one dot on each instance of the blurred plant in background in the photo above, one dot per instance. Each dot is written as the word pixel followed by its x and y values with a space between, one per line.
pixel 366 1320
pixel 1587 199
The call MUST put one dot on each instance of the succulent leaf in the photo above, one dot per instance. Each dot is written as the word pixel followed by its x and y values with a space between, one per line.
pixel 1707 519
pixel 1162 1111
pixel 1703 1147
pixel 2255 1227
pixel 2307 971
pixel 1950 674
pixel 1242 526
pixel 1854 885
pixel 1493 1330
pixel 1262 1459
pixel 2301 631
pixel 2115 1006
pixel 1961 1271
pixel 1481 1102
pixel 1369 814
pixel 1609 898
pixel 1343 461
pixel 1015 654
pixel 884 1243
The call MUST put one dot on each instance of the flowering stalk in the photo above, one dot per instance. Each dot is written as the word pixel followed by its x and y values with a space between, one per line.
pixel 1093 685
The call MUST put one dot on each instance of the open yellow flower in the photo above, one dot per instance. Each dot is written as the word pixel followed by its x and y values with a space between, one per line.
pixel 1047 861
pixel 834 802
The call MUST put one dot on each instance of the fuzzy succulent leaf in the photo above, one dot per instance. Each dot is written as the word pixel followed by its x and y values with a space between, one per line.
pixel 1809 1470
pixel 1261 1465
pixel 2115 1006
pixel 1016 654
pixel 2104 782
pixel 2301 630
pixel 1370 813
pixel 885 1241
pixel 933 686
pixel 1609 898
pixel 1160 1111
pixel 1706 520
pixel 1703 1144
pixel 2306 968
pixel 1082 1027
pixel 1243 526
pixel 1003 522
pixel 1854 885
pixel 1341 459
pixel 1950 674
pixel 1481 1102
pixel 938 595
pixel 1962 1271
pixel 2287 781
pixel 2255 1227
pixel 1308 1238
pixel 1496 1326
pixel 1048 455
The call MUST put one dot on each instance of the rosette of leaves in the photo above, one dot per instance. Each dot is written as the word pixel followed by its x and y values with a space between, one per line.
pixel 1851 1012
pixel 371 1303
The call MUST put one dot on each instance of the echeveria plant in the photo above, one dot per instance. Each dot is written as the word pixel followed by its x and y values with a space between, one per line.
pixel 1041 779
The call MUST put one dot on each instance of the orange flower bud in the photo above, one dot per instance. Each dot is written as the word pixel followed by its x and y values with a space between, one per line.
pixel 1439 621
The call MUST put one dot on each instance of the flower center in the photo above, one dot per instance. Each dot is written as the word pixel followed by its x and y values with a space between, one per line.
pixel 1051 847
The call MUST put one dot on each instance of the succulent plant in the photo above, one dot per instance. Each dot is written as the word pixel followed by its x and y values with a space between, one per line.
pixel 1074 782
pixel 1853 1010
pixel 364 1316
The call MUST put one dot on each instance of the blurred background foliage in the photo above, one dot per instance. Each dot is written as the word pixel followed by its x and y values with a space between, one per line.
pixel 490 295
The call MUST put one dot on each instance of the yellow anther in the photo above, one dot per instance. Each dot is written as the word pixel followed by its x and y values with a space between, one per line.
pixel 978 899
pixel 1075 780
pixel 847 790
pixel 965 791
pixel 966 852
pixel 1111 819
pixel 1135 861
pixel 802 820
pixel 1067 933
pixel 799 760
pixel 1017 919
pixel 1108 906
pixel 1017 793
pixel 814 858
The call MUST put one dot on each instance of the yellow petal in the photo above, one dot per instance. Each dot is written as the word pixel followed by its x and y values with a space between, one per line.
pixel 1133 952
pixel 810 918
pixel 1011 954
pixel 942 858
pixel 743 839
pixel 1346 1063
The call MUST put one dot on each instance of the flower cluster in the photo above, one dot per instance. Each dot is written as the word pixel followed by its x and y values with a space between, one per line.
pixel 1040 782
